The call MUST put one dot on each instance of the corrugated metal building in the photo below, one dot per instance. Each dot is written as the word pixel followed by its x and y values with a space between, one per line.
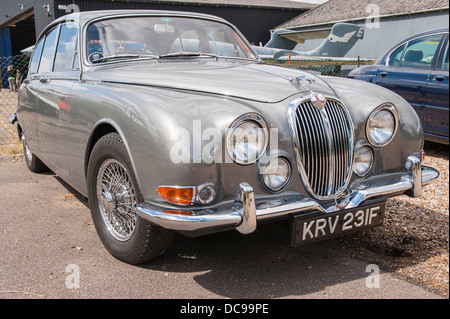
pixel 21 21
pixel 386 22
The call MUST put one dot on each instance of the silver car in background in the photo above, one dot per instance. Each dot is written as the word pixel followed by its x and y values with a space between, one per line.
pixel 170 122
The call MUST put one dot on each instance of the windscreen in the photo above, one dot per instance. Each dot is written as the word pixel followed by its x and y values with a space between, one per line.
pixel 163 36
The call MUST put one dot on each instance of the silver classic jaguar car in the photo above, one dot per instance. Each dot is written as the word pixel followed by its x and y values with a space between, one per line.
pixel 170 122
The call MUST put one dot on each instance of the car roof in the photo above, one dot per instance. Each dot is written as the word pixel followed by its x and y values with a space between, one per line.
pixel 418 35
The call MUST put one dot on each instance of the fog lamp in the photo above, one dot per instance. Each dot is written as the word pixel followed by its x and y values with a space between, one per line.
pixel 276 173
pixel 363 161
pixel 206 195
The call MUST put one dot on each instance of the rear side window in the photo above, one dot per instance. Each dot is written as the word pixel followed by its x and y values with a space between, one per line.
pixel 394 59
pixel 66 48
pixel 34 63
pixel 48 51
pixel 445 62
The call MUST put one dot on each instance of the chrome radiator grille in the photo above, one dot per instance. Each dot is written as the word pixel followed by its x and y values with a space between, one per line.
pixel 324 146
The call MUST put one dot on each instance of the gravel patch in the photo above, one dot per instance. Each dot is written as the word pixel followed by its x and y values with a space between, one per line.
pixel 413 242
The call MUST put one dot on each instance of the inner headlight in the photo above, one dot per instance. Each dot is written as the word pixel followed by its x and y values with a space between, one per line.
pixel 276 173
pixel 382 125
pixel 247 139
pixel 363 161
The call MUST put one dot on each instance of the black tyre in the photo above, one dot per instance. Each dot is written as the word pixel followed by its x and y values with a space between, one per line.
pixel 34 164
pixel 113 196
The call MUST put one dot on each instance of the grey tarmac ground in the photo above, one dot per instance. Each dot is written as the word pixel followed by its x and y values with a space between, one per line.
pixel 49 250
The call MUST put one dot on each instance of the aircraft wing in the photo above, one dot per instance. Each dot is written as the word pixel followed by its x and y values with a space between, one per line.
pixel 302 36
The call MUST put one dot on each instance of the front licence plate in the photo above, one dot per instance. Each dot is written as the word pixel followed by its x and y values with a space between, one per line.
pixel 313 227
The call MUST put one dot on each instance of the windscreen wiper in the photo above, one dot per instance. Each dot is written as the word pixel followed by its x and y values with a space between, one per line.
pixel 188 54
pixel 124 57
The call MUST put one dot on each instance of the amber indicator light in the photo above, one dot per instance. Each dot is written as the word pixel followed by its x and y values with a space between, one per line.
pixel 177 195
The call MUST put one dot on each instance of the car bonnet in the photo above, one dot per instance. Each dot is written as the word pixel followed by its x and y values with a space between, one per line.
pixel 247 80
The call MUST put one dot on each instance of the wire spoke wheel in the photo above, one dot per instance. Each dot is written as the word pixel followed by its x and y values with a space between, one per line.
pixel 114 196
pixel 116 199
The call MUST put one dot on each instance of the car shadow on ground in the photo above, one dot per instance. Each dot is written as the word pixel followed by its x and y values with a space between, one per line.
pixel 71 192
pixel 260 265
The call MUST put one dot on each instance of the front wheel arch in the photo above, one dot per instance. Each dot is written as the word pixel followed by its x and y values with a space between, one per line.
pixel 100 131
pixel 146 241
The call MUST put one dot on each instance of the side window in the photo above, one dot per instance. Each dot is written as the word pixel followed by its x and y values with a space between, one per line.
pixel 394 59
pixel 34 62
pixel 420 52
pixel 66 48
pixel 48 51
pixel 445 62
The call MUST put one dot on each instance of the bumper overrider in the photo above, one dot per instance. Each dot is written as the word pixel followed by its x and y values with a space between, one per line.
pixel 244 214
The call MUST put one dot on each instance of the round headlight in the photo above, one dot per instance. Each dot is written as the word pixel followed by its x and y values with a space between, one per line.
pixel 276 173
pixel 382 125
pixel 363 161
pixel 247 139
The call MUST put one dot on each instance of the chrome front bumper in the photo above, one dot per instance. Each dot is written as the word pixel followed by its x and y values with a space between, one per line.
pixel 244 213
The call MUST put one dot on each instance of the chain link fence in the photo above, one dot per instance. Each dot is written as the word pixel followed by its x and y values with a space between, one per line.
pixel 12 72
pixel 340 67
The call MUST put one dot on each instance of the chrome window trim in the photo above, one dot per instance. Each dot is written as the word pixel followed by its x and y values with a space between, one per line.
pixel 407 43
pixel 388 60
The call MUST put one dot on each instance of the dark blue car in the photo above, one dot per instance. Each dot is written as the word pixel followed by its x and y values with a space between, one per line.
pixel 417 70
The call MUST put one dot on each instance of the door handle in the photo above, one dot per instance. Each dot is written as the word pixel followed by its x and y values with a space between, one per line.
pixel 26 81
pixel 44 80
pixel 382 74
pixel 439 78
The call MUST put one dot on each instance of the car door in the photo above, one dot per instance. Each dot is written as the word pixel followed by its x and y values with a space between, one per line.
pixel 408 70
pixel 438 95
pixel 57 79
